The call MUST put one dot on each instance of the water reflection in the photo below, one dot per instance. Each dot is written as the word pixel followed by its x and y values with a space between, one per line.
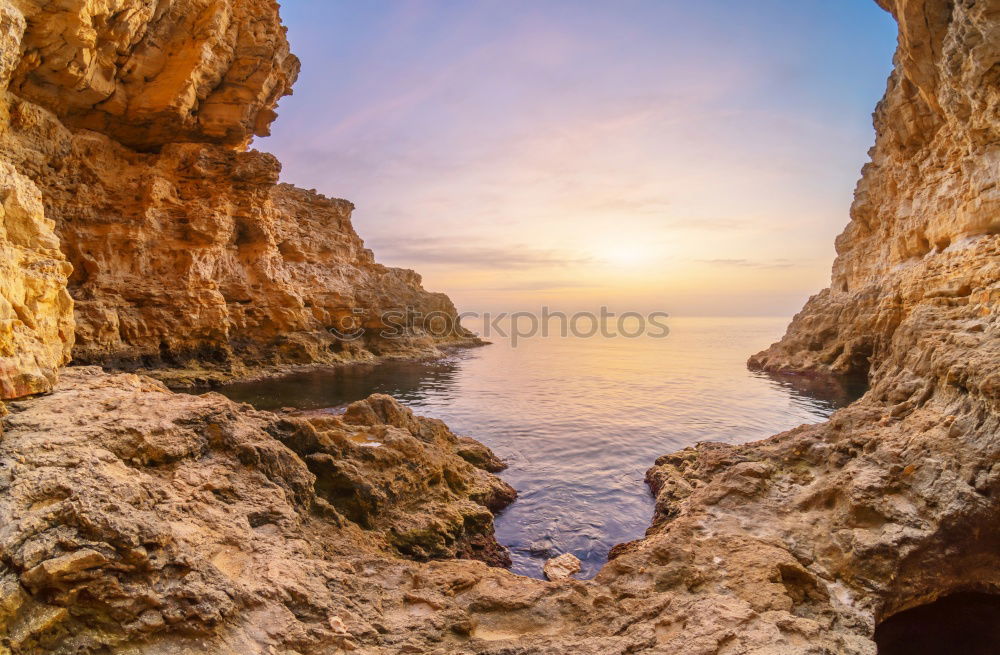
pixel 580 420
pixel 833 393
pixel 408 382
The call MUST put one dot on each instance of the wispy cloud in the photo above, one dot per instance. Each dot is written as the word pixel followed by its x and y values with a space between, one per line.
pixel 750 263
pixel 466 253
pixel 589 153
pixel 544 285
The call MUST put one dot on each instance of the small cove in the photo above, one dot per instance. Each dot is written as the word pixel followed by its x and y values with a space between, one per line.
pixel 579 420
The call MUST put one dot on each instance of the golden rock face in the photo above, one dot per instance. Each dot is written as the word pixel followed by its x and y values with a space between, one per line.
pixel 36 312
pixel 149 73
pixel 924 235
pixel 130 121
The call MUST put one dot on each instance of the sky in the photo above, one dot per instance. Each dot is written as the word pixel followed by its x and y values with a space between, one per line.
pixel 696 158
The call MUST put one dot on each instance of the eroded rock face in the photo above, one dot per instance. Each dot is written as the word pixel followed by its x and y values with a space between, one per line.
pixel 148 73
pixel 131 120
pixel 925 224
pixel 893 503
pixel 406 476
pixel 131 515
pixel 36 312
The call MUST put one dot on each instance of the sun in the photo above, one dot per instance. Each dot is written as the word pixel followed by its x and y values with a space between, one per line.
pixel 625 255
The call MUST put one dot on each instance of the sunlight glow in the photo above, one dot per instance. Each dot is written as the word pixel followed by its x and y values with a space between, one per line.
pixel 626 255
pixel 576 154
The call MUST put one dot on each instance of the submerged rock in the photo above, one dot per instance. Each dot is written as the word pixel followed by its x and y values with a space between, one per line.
pixel 561 567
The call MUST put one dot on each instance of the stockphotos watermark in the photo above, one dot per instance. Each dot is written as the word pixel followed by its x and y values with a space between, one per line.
pixel 512 326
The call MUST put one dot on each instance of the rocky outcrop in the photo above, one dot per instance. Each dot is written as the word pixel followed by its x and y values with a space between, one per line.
pixel 148 73
pixel 905 494
pixel 36 312
pixel 406 476
pixel 924 235
pixel 131 120
pixel 133 515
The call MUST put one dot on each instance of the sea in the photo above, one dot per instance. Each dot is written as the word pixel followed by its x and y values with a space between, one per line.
pixel 579 419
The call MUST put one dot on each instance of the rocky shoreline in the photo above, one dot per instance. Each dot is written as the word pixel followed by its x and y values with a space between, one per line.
pixel 137 229
pixel 197 377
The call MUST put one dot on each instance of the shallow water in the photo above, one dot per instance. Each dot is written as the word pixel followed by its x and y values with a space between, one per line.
pixel 580 420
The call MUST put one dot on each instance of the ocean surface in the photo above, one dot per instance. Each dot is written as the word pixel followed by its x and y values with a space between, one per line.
pixel 579 420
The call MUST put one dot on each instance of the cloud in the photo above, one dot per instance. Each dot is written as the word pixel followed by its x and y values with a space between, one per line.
pixel 749 263
pixel 544 285
pixel 466 253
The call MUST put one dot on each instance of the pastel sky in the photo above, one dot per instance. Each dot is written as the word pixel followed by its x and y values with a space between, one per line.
pixel 691 157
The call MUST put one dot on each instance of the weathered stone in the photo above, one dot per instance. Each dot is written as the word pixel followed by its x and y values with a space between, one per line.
pixel 562 567
pixel 124 126
pixel 151 73
pixel 131 513
pixel 36 312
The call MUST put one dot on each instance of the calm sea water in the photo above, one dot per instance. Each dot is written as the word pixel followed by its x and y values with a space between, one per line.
pixel 579 420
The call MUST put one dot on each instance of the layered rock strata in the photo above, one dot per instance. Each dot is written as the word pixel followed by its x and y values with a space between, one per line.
pixel 923 235
pixel 131 119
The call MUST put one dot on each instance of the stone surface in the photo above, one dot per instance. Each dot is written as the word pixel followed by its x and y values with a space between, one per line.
pixel 36 312
pixel 406 476
pixel 923 235
pixel 562 567
pixel 131 514
pixel 131 120
pixel 149 73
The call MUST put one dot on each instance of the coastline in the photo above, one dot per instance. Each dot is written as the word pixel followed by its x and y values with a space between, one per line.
pixel 145 521
pixel 192 379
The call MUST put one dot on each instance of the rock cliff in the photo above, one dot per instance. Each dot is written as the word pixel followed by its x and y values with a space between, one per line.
pixel 36 312
pixel 131 119
pixel 134 520
pixel 923 235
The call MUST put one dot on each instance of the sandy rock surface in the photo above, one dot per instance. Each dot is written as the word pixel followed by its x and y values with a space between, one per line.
pixel 562 567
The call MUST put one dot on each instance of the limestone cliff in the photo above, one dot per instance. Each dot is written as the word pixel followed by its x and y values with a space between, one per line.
pixel 925 223
pixel 36 312
pixel 130 120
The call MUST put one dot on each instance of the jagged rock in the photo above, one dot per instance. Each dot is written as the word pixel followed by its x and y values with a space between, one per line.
pixel 562 567
pixel 130 119
pixel 129 512
pixel 36 312
pixel 923 236
pixel 152 73
pixel 386 469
